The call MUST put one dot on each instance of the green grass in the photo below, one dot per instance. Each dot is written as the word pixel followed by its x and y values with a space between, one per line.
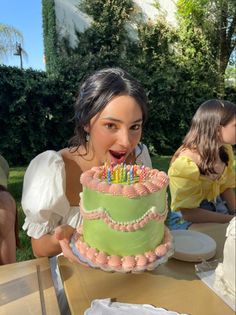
pixel 15 187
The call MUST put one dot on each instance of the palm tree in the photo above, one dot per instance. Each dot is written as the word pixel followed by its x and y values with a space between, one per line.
pixel 11 41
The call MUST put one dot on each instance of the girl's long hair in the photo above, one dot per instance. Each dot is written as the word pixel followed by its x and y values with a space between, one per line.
pixel 203 136
pixel 97 91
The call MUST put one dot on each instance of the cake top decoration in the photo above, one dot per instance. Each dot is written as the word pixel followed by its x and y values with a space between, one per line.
pixel 123 174
pixel 122 179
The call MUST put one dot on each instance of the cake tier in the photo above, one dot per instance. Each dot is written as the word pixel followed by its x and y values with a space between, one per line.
pixel 122 225
pixel 131 263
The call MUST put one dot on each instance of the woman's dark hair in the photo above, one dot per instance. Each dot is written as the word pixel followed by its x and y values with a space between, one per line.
pixel 203 135
pixel 97 91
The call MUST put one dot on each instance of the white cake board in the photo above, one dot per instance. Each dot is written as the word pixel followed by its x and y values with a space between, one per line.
pixel 208 277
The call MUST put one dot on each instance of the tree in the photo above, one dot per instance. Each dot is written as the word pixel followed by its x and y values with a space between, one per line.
pixel 9 37
pixel 216 20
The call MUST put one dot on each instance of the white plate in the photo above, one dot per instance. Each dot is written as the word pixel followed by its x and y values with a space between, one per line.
pixel 193 246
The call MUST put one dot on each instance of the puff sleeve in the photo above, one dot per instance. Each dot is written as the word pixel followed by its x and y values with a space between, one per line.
pixel 43 198
pixel 229 178
pixel 185 185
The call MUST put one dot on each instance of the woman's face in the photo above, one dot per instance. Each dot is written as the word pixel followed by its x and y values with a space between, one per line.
pixel 228 132
pixel 116 130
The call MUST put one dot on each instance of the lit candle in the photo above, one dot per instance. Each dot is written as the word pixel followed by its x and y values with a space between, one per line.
pixel 131 174
pixel 109 176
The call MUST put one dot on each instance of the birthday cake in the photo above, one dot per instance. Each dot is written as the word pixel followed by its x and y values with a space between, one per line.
pixel 123 210
pixel 225 271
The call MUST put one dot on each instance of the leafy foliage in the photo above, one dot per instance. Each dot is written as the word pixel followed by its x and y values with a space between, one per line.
pixel 215 20
pixel 34 114
pixel 50 35
pixel 176 67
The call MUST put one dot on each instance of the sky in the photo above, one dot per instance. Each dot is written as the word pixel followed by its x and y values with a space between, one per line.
pixel 26 16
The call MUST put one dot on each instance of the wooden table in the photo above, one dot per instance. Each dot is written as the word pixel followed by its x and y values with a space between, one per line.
pixel 19 288
pixel 173 285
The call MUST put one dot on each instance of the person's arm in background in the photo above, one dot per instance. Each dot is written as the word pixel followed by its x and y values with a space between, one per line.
pixel 7 227
pixel 230 198
pixel 199 215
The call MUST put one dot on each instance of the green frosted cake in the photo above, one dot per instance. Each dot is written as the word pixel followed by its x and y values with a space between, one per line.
pixel 123 210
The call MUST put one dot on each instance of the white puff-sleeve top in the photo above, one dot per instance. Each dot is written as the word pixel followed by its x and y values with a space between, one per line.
pixel 44 201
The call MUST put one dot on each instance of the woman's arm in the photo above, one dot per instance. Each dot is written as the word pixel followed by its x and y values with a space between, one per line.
pixel 199 215
pixel 59 242
pixel 230 198
pixel 46 246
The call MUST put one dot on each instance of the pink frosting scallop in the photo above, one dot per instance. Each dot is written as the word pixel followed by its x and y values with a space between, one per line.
pixel 150 186
pixel 163 177
pixel 153 182
pixel 129 191
pixel 152 216
pixel 161 250
pixel 91 254
pixel 114 261
pixel 93 183
pixel 101 258
pixel 136 226
pixel 168 245
pixel 141 189
pixel 103 187
pixel 150 256
pixel 141 260
pixel 128 262
pixel 96 168
pixel 82 247
pixel 85 180
pixel 153 173
pixel 116 189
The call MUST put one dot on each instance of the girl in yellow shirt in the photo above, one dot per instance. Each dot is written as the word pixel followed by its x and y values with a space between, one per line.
pixel 202 175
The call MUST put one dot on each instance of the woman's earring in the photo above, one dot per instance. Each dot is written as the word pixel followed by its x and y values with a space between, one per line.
pixel 87 137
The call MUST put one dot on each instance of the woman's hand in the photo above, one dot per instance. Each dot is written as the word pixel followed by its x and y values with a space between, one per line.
pixel 63 233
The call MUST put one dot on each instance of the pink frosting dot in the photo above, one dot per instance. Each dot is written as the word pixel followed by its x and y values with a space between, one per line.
pixel 91 254
pixel 114 261
pixel 101 258
pixel 93 183
pixel 129 227
pixel 103 187
pixel 141 189
pixel 150 186
pixel 116 189
pixel 82 247
pixel 136 226
pixel 129 191
pixel 152 215
pixel 141 260
pixel 150 256
pixel 128 262
pixel 161 250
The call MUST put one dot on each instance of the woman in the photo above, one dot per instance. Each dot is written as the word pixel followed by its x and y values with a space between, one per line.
pixel 202 175
pixel 8 218
pixel 109 113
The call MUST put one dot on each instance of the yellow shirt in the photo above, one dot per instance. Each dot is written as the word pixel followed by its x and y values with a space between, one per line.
pixel 4 171
pixel 188 187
